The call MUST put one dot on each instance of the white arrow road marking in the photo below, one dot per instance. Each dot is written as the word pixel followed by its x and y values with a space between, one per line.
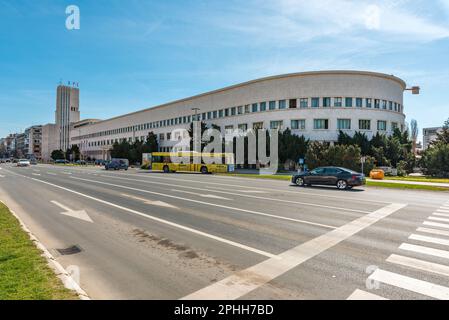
pixel 211 196
pixel 80 214
pixel 150 202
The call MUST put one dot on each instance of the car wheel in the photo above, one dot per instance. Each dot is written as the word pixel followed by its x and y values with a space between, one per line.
pixel 342 184
pixel 166 169
pixel 204 170
pixel 300 182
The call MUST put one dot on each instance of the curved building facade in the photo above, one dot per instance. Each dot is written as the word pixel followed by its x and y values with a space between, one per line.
pixel 314 104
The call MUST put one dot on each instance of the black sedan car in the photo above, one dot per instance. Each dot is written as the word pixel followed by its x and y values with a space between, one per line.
pixel 342 178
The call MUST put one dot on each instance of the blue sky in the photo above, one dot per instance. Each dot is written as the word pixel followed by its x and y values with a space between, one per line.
pixel 135 54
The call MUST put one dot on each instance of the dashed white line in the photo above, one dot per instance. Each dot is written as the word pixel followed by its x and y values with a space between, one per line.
pixel 363 295
pixel 443 210
pixel 419 264
pixel 429 239
pixel 411 284
pixel 441 214
pixel 435 224
pixel 439 219
pixel 425 250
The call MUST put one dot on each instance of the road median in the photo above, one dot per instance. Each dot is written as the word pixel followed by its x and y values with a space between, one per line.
pixel 24 272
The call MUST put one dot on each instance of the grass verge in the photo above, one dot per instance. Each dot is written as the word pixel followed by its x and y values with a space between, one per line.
pixel 24 273
pixel 418 179
pixel 369 183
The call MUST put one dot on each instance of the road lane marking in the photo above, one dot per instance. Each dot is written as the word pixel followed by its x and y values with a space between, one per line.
pixel 210 204
pixel 242 191
pixel 425 250
pixel 443 210
pixel 435 224
pixel 153 203
pixel 248 196
pixel 429 239
pixel 248 280
pixel 419 264
pixel 433 231
pixel 68 173
pixel 78 214
pixel 147 216
pixel 438 219
pixel 411 284
pixel 363 295
pixel 1 176
pixel 210 196
pixel 441 214
pixel 52 174
pixel 36 174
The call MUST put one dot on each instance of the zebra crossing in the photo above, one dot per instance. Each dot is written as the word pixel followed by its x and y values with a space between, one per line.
pixel 433 232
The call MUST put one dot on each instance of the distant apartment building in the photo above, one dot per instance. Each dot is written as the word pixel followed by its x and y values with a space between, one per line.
pixel 50 140
pixel 429 135
pixel 67 112
pixel 21 145
pixel 34 142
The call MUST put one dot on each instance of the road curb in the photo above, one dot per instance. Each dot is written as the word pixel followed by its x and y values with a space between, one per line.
pixel 58 269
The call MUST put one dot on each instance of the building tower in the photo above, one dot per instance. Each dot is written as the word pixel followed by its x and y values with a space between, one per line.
pixel 67 112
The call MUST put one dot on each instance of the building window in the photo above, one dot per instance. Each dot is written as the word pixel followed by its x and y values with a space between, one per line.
pixel 240 109
pixel 233 111
pixel 282 104
pixel 292 104
pixel 229 129
pixel 382 125
pixel 243 127
pixel 376 103
pixel 304 103
pixel 315 102
pixel 395 106
pixel 276 125
pixel 299 124
pixel 384 104
pixel 226 113
pixel 348 102
pixel 161 136
pixel 358 102
pixel 220 113
pixel 337 102
pixel 326 102
pixel 390 105
pixel 263 106
pixel 369 103
pixel 254 108
pixel 344 124
pixel 365 124
pixel 320 124
pixel 247 108
pixel 258 125
pixel 394 126
pixel 214 114
pixel 272 105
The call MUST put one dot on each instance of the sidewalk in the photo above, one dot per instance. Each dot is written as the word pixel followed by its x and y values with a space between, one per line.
pixel 431 184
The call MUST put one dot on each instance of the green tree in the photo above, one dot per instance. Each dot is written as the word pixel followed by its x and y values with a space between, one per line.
pixel 443 136
pixel 57 155
pixel 435 160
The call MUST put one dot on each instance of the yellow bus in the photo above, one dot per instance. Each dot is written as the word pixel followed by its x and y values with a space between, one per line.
pixel 190 162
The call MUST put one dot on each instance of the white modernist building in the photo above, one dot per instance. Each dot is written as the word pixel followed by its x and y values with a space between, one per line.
pixel 314 104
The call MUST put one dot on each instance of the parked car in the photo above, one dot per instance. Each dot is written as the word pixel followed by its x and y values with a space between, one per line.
pixel 23 163
pixel 100 162
pixel 342 178
pixel 81 162
pixel 377 174
pixel 61 161
pixel 117 164
pixel 33 162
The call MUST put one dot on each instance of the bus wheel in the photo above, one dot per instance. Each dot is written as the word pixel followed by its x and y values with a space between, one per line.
pixel 204 170
pixel 166 169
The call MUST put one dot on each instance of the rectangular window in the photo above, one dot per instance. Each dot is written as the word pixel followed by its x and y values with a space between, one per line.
pixel 299 124
pixel 320 124
pixel 254 107
pixel 226 113
pixel 209 115
pixel 272 105
pixel 338 102
pixel 384 104
pixel 358 102
pixel 348 102
pixel 326 102
pixel 376 103
pixel 395 106
pixel 229 129
pixel 390 105
pixel 243 127
pixel 344 124
pixel 214 114
pixel 247 108
pixel 263 106
pixel 382 125
pixel 276 125
pixel 282 104
pixel 161 136
pixel 394 126
pixel 293 104
pixel 364 124
pixel 233 111
pixel 304 103
pixel 240 109
pixel 315 102
pixel 220 113
pixel 369 103
pixel 258 125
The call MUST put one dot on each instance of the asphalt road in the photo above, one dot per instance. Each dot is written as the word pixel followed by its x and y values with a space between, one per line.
pixel 182 236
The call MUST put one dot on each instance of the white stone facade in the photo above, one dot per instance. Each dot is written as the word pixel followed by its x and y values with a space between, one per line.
pixel 312 96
